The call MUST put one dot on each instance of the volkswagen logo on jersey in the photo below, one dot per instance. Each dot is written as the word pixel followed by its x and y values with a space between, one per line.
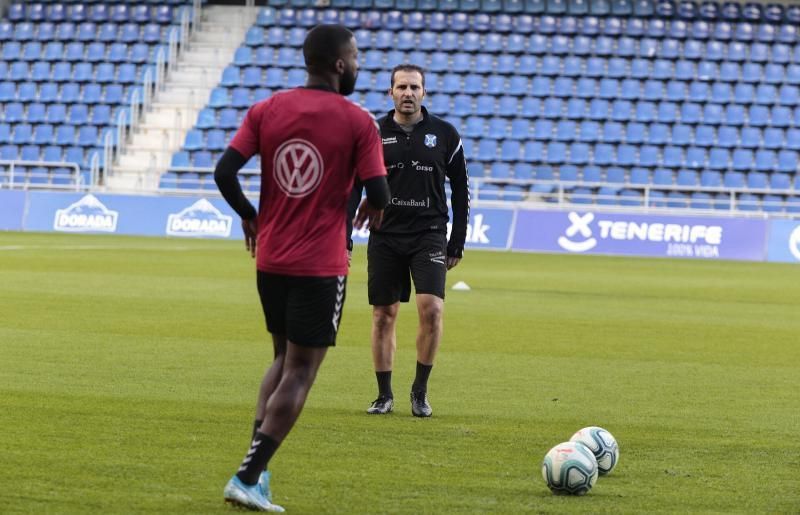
pixel 430 140
pixel 298 167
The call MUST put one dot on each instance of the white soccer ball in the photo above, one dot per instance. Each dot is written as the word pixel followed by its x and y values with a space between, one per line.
pixel 570 468
pixel 602 444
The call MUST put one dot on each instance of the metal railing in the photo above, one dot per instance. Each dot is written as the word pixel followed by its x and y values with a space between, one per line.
pixel 10 177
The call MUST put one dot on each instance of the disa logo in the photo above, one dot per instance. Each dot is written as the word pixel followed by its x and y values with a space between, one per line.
pixel 198 220
pixel 86 215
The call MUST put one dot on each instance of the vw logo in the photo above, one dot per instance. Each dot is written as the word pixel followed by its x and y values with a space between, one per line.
pixel 298 167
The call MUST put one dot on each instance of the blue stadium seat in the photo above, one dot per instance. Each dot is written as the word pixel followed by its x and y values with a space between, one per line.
pixel 704 136
pixel 710 179
pixel 660 134
pixel 727 137
pixel 565 130
pixel 729 72
pixel 780 181
pixel 788 161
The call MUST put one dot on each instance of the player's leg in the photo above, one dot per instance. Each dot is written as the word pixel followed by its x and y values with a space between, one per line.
pixel 314 311
pixel 384 346
pixel 430 309
pixel 428 269
pixel 249 487
pixel 273 292
pixel 271 378
pixel 388 284
pixel 311 310
pixel 285 404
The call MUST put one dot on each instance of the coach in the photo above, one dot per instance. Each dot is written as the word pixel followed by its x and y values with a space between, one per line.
pixel 420 152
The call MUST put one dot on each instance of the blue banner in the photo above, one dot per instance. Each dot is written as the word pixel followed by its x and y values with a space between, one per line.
pixel 784 241
pixel 486 229
pixel 136 215
pixel 578 232
pixel 589 232
pixel 12 207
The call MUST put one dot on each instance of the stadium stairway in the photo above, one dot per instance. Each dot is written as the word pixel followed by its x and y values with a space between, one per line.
pixel 186 90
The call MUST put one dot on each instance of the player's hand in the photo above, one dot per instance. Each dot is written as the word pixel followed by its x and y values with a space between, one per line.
pixel 250 229
pixel 452 262
pixel 367 216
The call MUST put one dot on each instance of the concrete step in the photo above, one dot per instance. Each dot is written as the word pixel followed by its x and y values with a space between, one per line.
pixel 129 180
pixel 195 77
pixel 172 118
pixel 142 161
pixel 194 97
pixel 219 36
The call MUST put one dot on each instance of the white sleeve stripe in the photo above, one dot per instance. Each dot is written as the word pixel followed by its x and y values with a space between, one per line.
pixel 455 151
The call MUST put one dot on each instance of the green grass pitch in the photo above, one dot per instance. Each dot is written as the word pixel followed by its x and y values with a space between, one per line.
pixel 129 366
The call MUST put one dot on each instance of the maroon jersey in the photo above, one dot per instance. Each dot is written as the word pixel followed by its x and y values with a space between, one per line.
pixel 312 144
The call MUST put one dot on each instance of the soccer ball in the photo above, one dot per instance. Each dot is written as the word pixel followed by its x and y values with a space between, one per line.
pixel 602 444
pixel 570 468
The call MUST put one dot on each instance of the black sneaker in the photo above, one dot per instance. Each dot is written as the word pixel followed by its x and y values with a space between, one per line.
pixel 419 404
pixel 381 406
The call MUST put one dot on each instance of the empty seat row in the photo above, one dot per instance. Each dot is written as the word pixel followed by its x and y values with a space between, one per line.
pixel 62 71
pixel 66 93
pixel 228 118
pixel 75 51
pixel 528 22
pixel 84 32
pixel 603 46
pixel 47 134
pixel 213 139
pixel 539 44
pixel 101 12
pixel 75 114
pixel 269 77
pixel 488 150
pixel 44 177
pixel 51 154
pixel 204 159
pixel 597 109
pixel 544 174
pixel 633 133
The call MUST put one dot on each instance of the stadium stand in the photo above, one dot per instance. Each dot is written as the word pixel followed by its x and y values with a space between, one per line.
pixel 73 77
pixel 608 102
pixel 660 103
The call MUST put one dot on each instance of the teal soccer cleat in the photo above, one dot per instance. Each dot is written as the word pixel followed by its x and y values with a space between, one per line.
pixel 249 497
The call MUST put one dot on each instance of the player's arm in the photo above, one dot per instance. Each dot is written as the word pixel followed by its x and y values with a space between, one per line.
pixel 370 211
pixel 371 172
pixel 225 175
pixel 459 200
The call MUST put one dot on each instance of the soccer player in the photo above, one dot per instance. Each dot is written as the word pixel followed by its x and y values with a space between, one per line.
pixel 312 142
pixel 420 151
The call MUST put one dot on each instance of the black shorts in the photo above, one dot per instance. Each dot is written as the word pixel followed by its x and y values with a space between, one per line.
pixel 307 310
pixel 392 257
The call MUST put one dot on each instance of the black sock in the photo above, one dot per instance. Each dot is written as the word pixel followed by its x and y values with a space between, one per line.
pixel 256 426
pixel 421 379
pixel 261 450
pixel 384 384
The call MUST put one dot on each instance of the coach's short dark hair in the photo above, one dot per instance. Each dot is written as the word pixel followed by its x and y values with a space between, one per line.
pixel 408 68
pixel 323 46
